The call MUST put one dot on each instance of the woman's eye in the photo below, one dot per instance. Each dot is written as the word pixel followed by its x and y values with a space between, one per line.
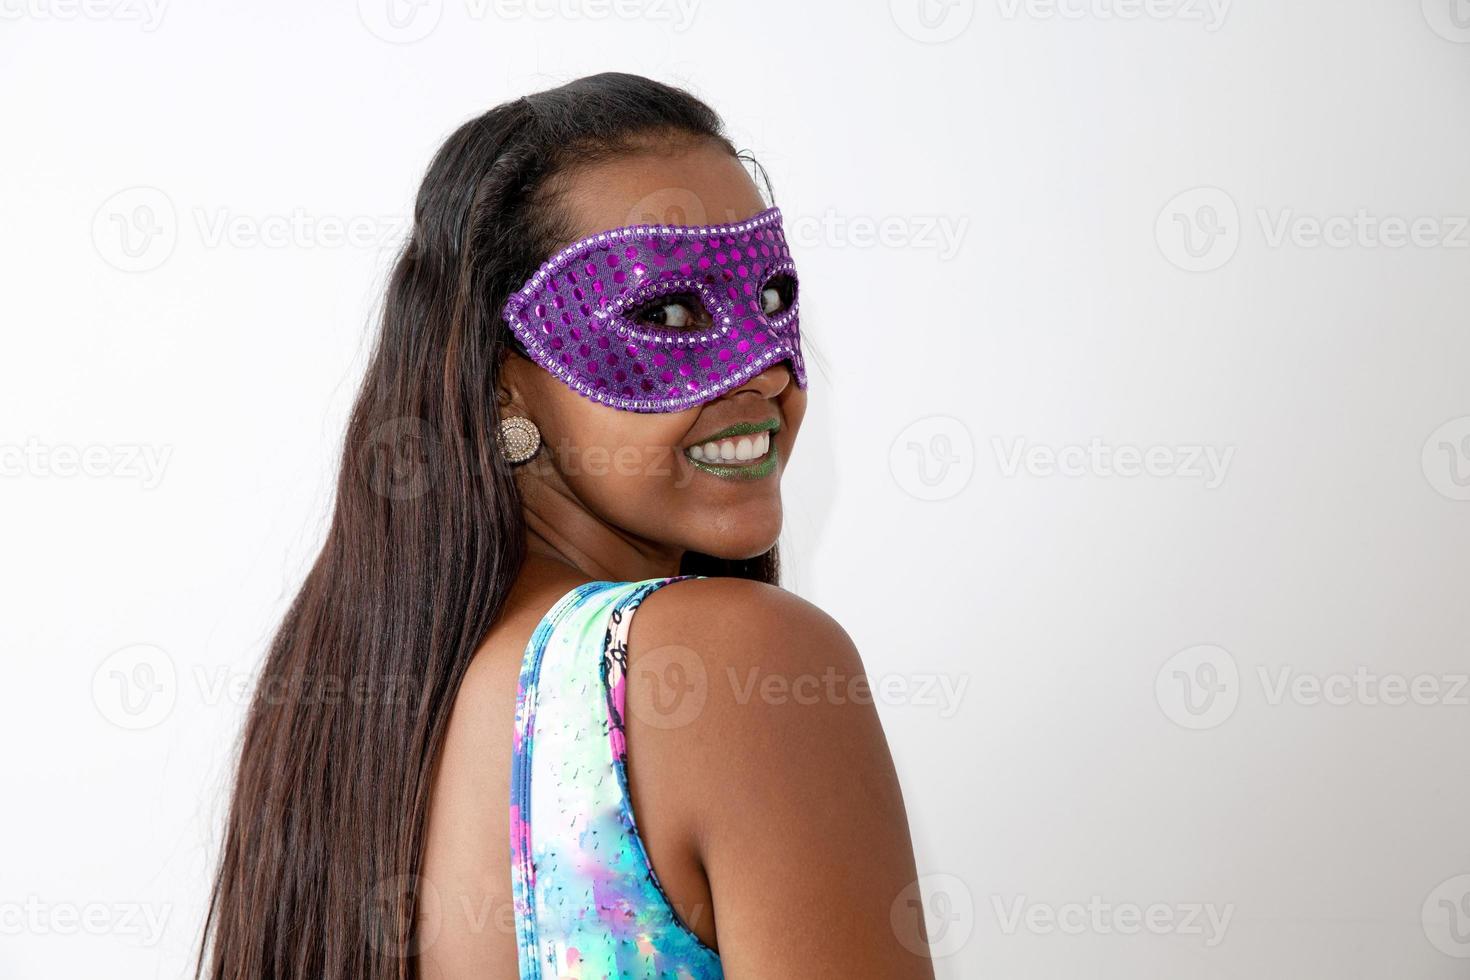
pixel 779 294
pixel 679 310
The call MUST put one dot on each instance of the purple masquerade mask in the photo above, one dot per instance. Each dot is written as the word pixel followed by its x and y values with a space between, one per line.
pixel 660 318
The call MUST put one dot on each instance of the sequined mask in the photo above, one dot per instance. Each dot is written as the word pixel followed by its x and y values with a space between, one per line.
pixel 584 316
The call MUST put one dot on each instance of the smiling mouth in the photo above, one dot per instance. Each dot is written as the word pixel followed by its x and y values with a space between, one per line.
pixel 740 450
pixel 744 451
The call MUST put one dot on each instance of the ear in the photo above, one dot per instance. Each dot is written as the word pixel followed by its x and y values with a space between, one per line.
pixel 512 387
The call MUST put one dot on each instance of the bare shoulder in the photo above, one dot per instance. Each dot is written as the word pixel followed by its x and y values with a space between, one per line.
pixel 740 669
pixel 737 622
pixel 751 721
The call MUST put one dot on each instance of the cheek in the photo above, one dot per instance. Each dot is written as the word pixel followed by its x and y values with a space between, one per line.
pixel 624 469
pixel 793 410
pixel 615 458
pixel 794 407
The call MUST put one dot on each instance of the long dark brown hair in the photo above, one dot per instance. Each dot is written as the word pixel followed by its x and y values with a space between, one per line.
pixel 324 837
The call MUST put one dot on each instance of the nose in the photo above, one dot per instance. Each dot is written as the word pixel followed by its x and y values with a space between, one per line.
pixel 770 382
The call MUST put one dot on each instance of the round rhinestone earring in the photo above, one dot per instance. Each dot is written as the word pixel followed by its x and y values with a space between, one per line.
pixel 519 439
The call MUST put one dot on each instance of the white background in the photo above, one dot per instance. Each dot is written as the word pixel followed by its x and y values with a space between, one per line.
pixel 1021 228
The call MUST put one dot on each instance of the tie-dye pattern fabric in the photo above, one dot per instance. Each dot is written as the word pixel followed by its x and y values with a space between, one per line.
pixel 587 903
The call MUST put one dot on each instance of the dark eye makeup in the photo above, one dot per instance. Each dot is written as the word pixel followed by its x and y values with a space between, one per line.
pixel 685 310
pixel 678 311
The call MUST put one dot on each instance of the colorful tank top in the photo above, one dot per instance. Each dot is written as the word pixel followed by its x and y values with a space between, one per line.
pixel 587 902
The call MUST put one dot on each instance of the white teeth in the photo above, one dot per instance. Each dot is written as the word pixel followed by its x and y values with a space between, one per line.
pixel 732 450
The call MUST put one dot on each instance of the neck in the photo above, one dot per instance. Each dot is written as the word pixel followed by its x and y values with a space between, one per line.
pixel 560 528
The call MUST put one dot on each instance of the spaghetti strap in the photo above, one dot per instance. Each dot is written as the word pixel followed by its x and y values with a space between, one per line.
pixel 587 901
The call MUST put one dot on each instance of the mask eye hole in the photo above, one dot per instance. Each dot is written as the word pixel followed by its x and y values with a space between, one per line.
pixel 778 294
pixel 676 311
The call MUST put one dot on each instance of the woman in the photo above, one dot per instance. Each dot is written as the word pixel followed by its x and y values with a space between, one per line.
pixel 569 416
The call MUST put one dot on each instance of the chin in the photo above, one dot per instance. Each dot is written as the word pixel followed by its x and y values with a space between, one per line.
pixel 734 547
